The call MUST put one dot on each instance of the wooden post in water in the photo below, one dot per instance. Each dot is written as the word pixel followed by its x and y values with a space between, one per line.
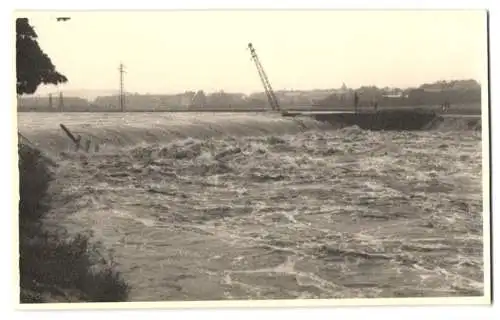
pixel 76 140
pixel 87 145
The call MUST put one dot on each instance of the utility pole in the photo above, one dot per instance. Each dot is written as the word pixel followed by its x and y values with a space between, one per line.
pixel 61 102
pixel 122 93
pixel 50 101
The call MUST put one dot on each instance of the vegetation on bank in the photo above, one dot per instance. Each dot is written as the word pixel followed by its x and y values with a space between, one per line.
pixel 53 266
pixel 457 92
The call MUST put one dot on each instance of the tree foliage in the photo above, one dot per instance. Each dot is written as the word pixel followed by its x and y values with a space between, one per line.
pixel 33 66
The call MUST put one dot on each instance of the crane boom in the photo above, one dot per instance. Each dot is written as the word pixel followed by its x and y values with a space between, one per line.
pixel 271 97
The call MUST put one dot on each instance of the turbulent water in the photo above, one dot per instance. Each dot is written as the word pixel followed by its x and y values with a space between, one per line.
pixel 253 206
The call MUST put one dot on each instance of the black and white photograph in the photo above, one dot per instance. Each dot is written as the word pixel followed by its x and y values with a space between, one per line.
pixel 237 156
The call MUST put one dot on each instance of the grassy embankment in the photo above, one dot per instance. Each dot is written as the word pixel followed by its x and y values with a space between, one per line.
pixel 53 266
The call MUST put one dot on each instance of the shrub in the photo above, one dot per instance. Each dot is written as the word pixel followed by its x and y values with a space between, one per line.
pixel 61 268
pixel 35 174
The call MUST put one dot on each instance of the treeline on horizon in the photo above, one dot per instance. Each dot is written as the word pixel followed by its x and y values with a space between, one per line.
pixel 436 93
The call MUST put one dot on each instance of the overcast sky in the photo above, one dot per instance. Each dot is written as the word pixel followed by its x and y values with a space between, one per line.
pixel 174 51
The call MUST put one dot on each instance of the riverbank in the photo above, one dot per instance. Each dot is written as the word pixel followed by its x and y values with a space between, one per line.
pixel 54 266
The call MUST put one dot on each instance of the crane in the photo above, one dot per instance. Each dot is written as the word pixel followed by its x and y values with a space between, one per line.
pixel 271 97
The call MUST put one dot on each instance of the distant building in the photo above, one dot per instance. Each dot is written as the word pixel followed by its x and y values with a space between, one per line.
pixel 186 98
pixel 46 103
pixel 395 95
pixel 224 99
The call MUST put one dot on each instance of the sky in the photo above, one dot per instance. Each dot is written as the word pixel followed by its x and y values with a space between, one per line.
pixel 174 51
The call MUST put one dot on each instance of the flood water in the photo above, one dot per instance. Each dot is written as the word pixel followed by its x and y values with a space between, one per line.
pixel 254 206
